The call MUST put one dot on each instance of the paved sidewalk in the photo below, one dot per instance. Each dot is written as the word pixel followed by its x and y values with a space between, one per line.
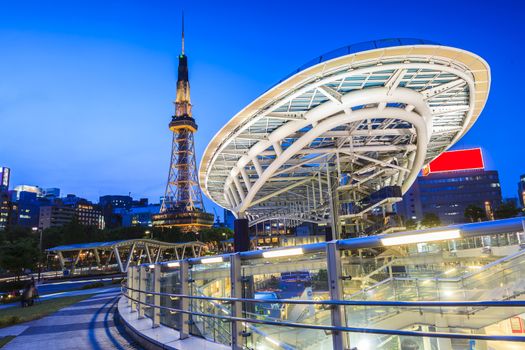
pixel 68 294
pixel 88 324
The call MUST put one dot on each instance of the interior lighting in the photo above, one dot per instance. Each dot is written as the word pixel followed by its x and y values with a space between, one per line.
pixel 173 264
pixel 281 253
pixel 364 344
pixel 421 237
pixel 217 259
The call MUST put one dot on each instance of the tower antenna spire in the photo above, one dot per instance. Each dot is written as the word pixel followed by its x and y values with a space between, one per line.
pixel 183 32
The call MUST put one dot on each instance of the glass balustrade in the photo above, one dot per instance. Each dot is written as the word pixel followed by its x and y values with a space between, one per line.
pixel 282 291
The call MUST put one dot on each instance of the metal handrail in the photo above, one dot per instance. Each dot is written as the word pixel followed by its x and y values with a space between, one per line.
pixel 493 303
pixel 341 329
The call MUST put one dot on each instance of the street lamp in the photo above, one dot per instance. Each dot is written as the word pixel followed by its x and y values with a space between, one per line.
pixel 148 232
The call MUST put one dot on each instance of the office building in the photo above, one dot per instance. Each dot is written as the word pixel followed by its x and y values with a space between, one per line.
pixel 89 215
pixel 55 216
pixel 26 188
pixel 115 201
pixel 4 179
pixel 521 191
pixel 137 215
pixel 229 219
pixel 51 193
pixel 451 183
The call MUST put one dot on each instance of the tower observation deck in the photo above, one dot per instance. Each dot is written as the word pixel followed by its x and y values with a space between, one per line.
pixel 182 205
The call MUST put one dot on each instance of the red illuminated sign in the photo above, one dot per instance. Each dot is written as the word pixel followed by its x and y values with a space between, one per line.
pixel 465 159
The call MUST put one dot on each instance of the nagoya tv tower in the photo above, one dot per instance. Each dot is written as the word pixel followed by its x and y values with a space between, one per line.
pixel 182 205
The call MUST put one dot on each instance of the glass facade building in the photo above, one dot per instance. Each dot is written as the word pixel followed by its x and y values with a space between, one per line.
pixel 448 194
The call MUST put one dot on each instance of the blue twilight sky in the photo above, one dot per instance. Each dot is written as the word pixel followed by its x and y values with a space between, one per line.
pixel 86 86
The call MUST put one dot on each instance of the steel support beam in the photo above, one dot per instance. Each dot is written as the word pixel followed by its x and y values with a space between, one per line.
pixel 236 307
pixel 339 339
pixel 184 326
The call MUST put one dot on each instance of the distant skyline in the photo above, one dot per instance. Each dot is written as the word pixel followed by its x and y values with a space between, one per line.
pixel 87 88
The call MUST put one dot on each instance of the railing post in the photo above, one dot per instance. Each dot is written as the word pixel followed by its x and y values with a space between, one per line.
pixel 142 289
pixel 236 307
pixel 184 327
pixel 339 339
pixel 156 297
pixel 129 284
pixel 135 284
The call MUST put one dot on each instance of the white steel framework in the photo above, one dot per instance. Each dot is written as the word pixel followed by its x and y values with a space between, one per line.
pixel 352 122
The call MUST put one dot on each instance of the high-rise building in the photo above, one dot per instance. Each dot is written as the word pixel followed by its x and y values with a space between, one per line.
pixel 112 206
pixel 51 193
pixel 89 215
pixel 4 179
pixel 59 214
pixel 229 219
pixel 28 209
pixel 182 206
pixel 115 201
pixel 55 215
pixel 26 188
pixel 138 215
pixel 451 183
pixel 521 191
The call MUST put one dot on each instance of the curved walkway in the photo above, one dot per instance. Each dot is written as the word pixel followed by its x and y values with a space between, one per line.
pixel 89 324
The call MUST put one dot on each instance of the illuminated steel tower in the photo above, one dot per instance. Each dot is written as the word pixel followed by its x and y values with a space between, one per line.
pixel 182 205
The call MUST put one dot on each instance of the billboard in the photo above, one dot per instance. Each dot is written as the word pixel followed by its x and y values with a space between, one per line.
pixel 465 159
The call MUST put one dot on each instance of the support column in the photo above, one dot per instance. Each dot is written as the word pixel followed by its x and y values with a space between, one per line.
pixel 97 257
pixel 339 339
pixel 119 261
pixel 130 257
pixel 156 297
pixel 129 284
pixel 333 213
pixel 241 237
pixel 442 326
pixel 135 284
pixel 61 260
pixel 236 292
pixel 142 287
pixel 184 326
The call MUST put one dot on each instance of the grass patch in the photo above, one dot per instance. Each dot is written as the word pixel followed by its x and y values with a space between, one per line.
pixel 5 340
pixel 17 314
pixel 93 285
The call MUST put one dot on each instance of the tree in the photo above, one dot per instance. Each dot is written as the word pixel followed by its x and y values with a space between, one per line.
pixel 19 255
pixel 473 213
pixel 430 220
pixel 506 210
pixel 411 224
pixel 215 234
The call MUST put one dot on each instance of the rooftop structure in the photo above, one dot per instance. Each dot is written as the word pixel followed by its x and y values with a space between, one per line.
pixel 132 249
pixel 346 134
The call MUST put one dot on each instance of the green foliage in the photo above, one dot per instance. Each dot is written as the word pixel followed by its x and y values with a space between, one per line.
pixel 20 247
pixel 473 213
pixel 320 280
pixel 93 285
pixel 411 224
pixel 215 234
pixel 19 255
pixel 15 315
pixel 430 220
pixel 506 210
